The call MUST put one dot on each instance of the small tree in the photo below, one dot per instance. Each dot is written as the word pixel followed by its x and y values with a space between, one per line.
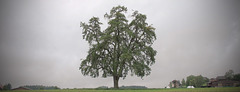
pixel 170 85
pixel 120 48
pixel 183 83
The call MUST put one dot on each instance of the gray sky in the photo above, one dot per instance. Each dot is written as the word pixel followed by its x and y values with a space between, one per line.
pixel 41 41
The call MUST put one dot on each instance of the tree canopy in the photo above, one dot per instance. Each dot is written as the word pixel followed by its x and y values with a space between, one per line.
pixel 122 47
pixel 229 74
pixel 196 81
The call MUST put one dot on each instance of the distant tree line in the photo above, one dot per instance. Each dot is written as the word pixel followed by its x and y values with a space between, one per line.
pixel 41 87
pixel 133 87
pixel 231 76
pixel 123 87
pixel 6 87
pixel 198 81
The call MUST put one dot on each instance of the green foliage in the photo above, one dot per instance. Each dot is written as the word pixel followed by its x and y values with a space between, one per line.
pixel 229 75
pixel 133 87
pixel 122 47
pixel 236 77
pixel 7 86
pixel 170 85
pixel 183 82
pixel 102 88
pixel 196 81
pixel 41 87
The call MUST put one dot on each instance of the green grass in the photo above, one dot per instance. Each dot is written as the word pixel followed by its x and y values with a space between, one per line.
pixel 227 89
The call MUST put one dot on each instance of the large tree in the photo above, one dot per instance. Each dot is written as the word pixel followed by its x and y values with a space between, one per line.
pixel 122 47
pixel 196 81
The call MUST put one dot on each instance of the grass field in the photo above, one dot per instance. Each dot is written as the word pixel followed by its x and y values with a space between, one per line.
pixel 230 89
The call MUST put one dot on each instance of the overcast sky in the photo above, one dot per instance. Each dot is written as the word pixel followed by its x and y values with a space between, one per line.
pixel 41 42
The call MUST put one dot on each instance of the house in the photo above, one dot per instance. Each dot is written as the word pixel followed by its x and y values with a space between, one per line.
pixel 221 81
pixel 220 78
pixel 175 84
pixel 22 88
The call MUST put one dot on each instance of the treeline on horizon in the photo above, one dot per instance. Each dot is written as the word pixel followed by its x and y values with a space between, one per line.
pixel 123 87
pixel 40 87
pixel 191 80
pixel 6 87
pixel 200 81
pixel 31 87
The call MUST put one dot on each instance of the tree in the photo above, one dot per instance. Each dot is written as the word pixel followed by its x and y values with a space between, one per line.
pixel 229 75
pixel 171 85
pixel 206 80
pixel 122 47
pixel 183 82
pixel 189 81
pixel 7 86
pixel 199 81
pixel 196 81
pixel 236 77
pixel 55 87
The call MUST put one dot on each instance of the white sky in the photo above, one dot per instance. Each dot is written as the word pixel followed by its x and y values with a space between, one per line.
pixel 41 41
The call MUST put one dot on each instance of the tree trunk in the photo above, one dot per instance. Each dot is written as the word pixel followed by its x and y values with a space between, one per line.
pixel 115 82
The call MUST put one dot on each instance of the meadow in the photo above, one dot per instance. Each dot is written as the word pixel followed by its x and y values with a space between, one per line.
pixel 227 89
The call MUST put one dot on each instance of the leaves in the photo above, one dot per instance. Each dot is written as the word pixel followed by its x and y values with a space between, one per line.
pixel 92 31
pixel 121 47
pixel 196 81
